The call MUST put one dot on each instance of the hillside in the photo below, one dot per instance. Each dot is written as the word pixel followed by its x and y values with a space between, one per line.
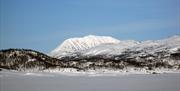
pixel 127 55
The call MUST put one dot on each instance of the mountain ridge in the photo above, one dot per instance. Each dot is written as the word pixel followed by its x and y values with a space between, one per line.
pixel 118 47
pixel 77 44
pixel 148 56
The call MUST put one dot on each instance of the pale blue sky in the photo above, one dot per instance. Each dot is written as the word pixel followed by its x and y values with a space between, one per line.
pixel 43 24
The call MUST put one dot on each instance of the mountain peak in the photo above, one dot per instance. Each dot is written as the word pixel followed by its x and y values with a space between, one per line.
pixel 106 45
pixel 82 43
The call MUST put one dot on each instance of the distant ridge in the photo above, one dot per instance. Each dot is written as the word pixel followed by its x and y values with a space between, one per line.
pixel 104 45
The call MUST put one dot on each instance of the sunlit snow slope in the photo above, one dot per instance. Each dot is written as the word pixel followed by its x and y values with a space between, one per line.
pixel 107 46
pixel 79 44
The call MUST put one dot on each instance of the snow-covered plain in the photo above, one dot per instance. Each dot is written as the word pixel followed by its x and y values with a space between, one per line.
pixel 43 81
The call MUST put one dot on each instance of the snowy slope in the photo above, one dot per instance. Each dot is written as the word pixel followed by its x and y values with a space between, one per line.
pixel 147 47
pixel 78 44
pixel 110 49
pixel 158 45
pixel 108 46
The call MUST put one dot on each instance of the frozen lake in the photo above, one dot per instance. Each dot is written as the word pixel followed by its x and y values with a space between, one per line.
pixel 14 81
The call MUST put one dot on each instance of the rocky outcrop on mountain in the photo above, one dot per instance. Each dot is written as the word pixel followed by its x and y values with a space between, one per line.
pixel 26 59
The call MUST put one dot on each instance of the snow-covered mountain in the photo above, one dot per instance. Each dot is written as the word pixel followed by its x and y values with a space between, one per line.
pixel 79 44
pixel 108 46
pixel 169 44
pixel 99 53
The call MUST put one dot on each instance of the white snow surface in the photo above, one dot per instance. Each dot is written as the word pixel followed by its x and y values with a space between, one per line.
pixel 78 44
pixel 103 45
pixel 110 49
